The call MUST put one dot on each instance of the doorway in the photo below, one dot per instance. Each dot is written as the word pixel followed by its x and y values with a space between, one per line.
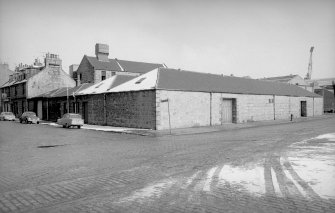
pixel 303 109
pixel 85 112
pixel 226 111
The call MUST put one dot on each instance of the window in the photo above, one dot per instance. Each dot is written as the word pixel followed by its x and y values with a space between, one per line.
pixel 139 81
pixel 103 75
pixel 23 89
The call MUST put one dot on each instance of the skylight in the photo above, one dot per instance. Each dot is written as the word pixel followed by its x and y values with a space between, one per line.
pixel 139 81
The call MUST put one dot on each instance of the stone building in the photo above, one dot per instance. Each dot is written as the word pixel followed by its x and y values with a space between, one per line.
pixel 167 97
pixel 98 68
pixel 31 81
pixel 5 72
pixel 75 100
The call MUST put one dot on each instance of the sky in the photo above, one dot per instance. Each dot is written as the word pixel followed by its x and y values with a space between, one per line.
pixel 256 38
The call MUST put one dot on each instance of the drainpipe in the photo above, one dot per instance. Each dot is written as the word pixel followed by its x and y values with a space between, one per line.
pixel 47 109
pixel 105 111
pixel 313 106
pixel 274 108
pixel 210 109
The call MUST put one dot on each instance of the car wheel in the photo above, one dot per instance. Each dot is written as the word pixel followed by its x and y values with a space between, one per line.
pixel 67 126
pixel 38 122
pixel 64 126
pixel 20 121
pixel 79 127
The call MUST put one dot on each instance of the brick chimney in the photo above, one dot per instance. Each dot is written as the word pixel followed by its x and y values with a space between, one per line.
pixel 102 52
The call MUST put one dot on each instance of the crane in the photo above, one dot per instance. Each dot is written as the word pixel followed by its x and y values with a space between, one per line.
pixel 309 73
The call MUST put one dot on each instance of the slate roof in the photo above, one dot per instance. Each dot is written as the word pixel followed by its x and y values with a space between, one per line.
pixel 127 66
pixel 283 79
pixel 172 79
pixel 106 85
pixel 102 65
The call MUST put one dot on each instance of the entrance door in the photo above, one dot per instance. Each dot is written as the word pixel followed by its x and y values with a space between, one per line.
pixel 226 111
pixel 303 109
pixel 85 112
pixel 39 109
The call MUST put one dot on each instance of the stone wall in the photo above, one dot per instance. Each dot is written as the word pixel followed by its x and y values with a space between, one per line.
pixel 127 109
pixel 131 109
pixel 47 80
pixel 189 109
pixel 86 71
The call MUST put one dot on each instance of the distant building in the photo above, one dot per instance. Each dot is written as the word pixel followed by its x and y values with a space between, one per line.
pixel 30 81
pixel 100 67
pixel 5 72
pixel 326 88
pixel 328 99
pixel 291 79
pixel 326 83
pixel 73 71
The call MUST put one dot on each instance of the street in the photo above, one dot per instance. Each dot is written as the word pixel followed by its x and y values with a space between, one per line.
pixel 275 168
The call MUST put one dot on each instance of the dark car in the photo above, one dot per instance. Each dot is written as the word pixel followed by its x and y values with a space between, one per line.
pixel 29 118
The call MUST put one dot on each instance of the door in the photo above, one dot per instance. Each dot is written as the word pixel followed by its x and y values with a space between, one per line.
pixel 85 112
pixel 303 109
pixel 226 111
pixel 39 109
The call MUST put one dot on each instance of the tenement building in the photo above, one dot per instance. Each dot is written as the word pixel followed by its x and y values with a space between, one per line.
pixel 31 81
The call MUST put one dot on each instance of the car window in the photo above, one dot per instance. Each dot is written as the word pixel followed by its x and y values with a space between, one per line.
pixel 75 116
pixel 29 114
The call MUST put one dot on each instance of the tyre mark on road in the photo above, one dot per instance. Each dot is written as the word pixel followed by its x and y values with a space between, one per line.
pixel 309 191
pixel 286 186
pixel 269 188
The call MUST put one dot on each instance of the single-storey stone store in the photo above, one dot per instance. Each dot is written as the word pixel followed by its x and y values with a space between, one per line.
pixel 164 98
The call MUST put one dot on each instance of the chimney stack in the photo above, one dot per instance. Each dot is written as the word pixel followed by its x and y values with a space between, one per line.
pixel 102 52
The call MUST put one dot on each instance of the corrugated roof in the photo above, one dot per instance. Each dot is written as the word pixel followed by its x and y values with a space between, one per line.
pixel 127 66
pixel 106 85
pixel 13 82
pixel 172 79
pixel 63 91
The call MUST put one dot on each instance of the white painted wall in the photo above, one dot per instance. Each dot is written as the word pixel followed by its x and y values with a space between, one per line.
pixel 189 109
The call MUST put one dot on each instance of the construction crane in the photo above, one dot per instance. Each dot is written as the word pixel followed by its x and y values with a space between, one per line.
pixel 309 73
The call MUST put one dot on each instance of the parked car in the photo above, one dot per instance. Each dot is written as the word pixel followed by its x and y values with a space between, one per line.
pixel 29 118
pixel 70 119
pixel 7 116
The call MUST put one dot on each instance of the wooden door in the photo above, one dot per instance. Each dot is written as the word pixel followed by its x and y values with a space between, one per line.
pixel 226 111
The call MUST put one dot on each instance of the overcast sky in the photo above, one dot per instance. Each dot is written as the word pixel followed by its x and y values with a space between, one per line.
pixel 257 38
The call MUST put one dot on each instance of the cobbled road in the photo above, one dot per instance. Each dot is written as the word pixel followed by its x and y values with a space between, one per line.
pixel 276 168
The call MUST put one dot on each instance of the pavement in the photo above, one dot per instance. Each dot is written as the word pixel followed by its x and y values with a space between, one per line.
pixel 194 130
